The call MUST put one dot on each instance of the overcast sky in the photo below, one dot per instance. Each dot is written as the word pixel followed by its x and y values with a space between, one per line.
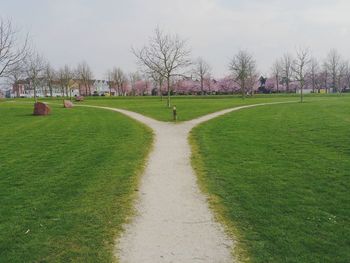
pixel 101 32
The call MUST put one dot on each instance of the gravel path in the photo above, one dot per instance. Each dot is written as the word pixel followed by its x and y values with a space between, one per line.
pixel 173 221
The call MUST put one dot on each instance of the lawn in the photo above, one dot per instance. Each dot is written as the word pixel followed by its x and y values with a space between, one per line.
pixel 66 182
pixel 279 177
pixel 188 107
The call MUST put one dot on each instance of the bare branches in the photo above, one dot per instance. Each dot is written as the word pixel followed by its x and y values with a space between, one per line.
pixel 35 65
pixel 66 76
pixel 286 65
pixel 314 71
pixel 134 78
pixel 12 51
pixel 166 55
pixel 120 80
pixel 277 73
pixel 300 67
pixel 84 73
pixel 49 76
pixel 243 69
pixel 333 62
pixel 201 71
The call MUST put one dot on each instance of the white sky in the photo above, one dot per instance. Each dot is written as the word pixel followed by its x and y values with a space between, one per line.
pixel 101 32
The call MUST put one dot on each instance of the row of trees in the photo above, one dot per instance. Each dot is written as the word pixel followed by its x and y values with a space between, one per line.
pixel 167 56
pixel 19 60
pixel 331 73
pixel 163 60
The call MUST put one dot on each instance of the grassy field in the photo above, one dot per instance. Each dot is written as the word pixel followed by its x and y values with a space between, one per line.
pixel 66 182
pixel 280 175
pixel 188 107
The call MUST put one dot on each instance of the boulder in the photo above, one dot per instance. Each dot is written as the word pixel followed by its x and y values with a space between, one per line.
pixel 79 98
pixel 41 108
pixel 67 104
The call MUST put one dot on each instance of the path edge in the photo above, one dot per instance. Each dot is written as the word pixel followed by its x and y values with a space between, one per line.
pixel 239 251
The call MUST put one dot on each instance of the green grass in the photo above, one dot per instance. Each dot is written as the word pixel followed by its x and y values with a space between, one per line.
pixel 66 182
pixel 279 175
pixel 188 107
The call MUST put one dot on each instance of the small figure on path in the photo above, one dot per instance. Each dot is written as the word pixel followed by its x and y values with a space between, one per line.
pixel 174 113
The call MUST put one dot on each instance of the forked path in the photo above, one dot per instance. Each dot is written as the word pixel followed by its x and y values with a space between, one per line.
pixel 173 221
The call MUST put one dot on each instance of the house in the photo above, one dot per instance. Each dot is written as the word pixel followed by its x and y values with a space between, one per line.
pixel 100 87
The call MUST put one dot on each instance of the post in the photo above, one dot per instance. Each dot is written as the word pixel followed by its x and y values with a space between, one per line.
pixel 174 113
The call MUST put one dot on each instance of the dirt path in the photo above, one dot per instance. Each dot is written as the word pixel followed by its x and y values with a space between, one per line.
pixel 173 222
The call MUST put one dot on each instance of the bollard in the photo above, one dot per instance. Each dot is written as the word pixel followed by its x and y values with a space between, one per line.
pixel 174 113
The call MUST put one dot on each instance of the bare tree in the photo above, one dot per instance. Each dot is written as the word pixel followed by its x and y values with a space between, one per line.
pixel 66 76
pixel 341 75
pixel 347 74
pixel 111 82
pixel 12 50
pixel 325 76
pixel 201 71
pixel 85 75
pixel 208 82
pixel 277 72
pixel 134 77
pixel 166 55
pixel 49 76
pixel 286 64
pixel 314 73
pixel 333 62
pixel 35 65
pixel 158 80
pixel 15 74
pixel 120 80
pixel 300 64
pixel 243 68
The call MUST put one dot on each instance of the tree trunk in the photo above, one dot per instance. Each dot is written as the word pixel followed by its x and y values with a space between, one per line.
pixel 243 89
pixel 63 95
pixel 160 90
pixel 202 89
pixel 35 97
pixel 168 86
pixel 301 91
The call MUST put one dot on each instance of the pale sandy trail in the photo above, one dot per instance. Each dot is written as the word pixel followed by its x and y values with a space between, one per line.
pixel 173 221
